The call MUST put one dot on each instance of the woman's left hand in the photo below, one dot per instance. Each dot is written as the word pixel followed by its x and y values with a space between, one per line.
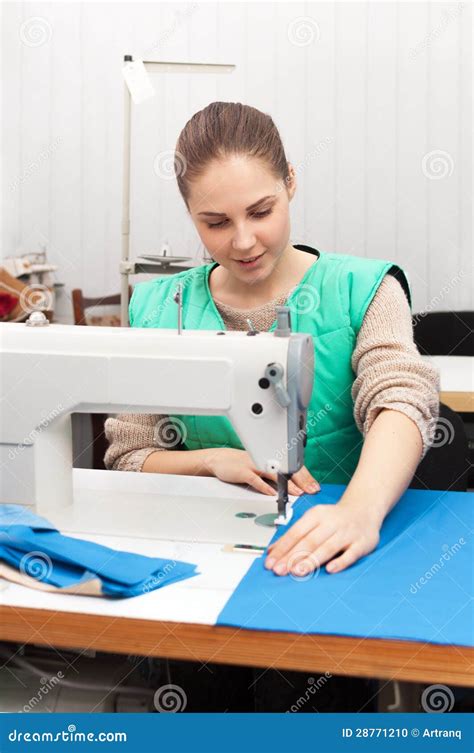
pixel 334 534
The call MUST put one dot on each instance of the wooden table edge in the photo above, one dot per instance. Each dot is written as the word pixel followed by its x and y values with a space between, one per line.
pixel 339 655
pixel 461 402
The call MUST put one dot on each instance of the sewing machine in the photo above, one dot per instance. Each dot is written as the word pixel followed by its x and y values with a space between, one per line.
pixel 261 381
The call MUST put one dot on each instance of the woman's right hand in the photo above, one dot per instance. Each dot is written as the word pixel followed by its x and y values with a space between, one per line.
pixel 237 467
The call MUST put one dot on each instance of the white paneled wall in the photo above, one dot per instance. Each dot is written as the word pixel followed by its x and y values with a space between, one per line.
pixel 373 102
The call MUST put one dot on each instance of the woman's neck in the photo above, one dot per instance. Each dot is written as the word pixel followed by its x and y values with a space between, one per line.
pixel 287 273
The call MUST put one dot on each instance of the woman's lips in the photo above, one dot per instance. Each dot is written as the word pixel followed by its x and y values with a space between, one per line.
pixel 249 264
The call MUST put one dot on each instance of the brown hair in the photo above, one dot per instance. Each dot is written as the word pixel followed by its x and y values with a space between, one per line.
pixel 223 129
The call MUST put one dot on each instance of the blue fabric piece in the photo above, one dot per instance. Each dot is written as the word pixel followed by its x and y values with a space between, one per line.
pixel 62 561
pixel 22 516
pixel 417 584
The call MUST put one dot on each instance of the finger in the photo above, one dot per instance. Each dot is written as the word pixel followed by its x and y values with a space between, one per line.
pixel 302 551
pixel 351 555
pixel 294 489
pixel 265 474
pixel 309 543
pixel 259 484
pixel 304 479
pixel 298 565
pixel 308 522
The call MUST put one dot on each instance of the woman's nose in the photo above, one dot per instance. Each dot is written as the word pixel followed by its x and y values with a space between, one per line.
pixel 243 240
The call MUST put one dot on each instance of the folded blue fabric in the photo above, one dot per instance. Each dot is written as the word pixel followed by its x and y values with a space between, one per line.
pixel 22 516
pixel 36 548
pixel 417 584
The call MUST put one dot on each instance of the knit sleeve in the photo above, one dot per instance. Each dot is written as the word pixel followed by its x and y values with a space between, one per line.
pixel 132 438
pixel 390 372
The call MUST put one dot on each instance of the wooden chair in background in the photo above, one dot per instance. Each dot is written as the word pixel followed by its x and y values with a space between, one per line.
pixel 80 305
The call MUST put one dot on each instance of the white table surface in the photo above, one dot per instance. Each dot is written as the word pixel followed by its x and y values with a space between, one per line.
pixel 195 520
pixel 456 372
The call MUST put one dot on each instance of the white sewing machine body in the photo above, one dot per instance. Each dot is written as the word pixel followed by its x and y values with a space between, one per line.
pixel 50 372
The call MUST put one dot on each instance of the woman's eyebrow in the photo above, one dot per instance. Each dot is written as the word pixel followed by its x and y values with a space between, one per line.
pixel 252 206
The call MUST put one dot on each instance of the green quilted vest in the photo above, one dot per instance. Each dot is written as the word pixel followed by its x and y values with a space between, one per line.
pixel 329 304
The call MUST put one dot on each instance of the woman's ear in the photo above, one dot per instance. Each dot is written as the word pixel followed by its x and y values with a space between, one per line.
pixel 291 181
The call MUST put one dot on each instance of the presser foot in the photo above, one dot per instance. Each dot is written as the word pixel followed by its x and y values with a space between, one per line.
pixel 272 519
pixel 284 519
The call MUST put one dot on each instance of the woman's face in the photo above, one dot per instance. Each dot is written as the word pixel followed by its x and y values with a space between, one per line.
pixel 241 211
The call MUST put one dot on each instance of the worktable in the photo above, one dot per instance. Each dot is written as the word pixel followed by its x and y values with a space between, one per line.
pixel 179 621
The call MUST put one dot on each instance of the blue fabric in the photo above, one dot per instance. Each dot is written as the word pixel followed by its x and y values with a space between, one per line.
pixel 417 584
pixel 39 550
pixel 22 516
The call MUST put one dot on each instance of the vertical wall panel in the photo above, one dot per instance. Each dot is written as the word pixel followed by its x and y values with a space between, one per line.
pixel 290 104
pixel 365 96
pixel 465 291
pixel 381 133
pixel 11 126
pixel 65 241
pixel 316 172
pixel 351 123
pixel 412 145
pixel 442 165
pixel 35 37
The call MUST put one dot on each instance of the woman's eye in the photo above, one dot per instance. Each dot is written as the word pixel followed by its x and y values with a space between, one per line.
pixel 217 224
pixel 257 215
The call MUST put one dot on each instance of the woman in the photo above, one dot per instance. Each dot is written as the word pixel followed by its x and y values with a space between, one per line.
pixel 375 402
pixel 374 406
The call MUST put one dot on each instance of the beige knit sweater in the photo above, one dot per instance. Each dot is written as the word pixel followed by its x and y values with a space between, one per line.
pixel 389 374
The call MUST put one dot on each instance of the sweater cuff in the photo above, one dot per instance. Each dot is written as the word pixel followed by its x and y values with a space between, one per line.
pixel 134 460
